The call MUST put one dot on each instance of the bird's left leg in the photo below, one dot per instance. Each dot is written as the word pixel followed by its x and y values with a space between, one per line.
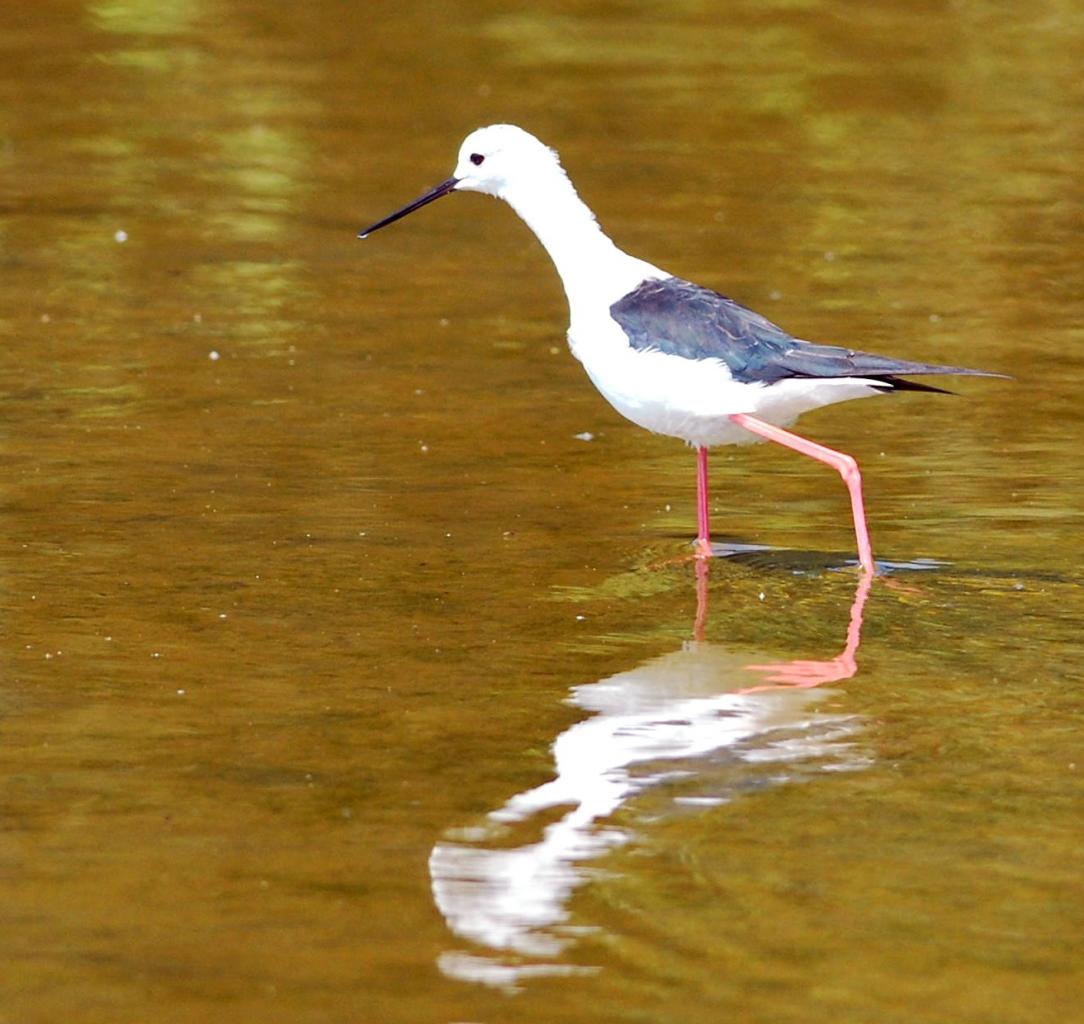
pixel 841 462
pixel 703 527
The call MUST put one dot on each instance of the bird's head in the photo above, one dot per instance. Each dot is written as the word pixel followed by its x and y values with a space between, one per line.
pixel 499 157
pixel 496 160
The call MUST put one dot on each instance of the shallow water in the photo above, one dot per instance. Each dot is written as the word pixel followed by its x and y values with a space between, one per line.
pixel 351 660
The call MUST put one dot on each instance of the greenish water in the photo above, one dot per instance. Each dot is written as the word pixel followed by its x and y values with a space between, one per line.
pixel 343 680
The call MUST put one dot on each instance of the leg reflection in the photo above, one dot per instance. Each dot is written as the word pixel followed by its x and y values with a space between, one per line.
pixel 801 672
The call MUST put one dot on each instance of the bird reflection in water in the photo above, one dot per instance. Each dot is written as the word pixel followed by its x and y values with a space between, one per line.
pixel 710 721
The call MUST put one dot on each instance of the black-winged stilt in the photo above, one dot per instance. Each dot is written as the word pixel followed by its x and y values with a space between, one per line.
pixel 671 356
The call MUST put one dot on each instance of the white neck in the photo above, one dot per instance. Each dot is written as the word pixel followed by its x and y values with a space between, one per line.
pixel 592 269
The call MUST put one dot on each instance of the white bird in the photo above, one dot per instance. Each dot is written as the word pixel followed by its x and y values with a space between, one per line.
pixel 671 356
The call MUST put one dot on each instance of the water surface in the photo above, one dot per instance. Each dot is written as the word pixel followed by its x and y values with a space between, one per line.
pixel 351 658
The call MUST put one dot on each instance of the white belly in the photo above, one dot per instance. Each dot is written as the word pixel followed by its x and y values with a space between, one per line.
pixel 694 399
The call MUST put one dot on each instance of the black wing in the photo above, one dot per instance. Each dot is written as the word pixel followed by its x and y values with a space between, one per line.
pixel 683 319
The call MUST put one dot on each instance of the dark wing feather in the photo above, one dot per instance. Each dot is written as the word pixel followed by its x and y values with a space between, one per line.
pixel 683 319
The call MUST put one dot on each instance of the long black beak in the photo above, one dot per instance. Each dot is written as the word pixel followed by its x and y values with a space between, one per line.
pixel 434 193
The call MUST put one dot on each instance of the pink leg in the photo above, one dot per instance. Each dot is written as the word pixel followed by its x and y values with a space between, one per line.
pixel 841 462
pixel 703 529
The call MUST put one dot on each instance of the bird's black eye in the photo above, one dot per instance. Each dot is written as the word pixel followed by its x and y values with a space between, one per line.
pixel 476 158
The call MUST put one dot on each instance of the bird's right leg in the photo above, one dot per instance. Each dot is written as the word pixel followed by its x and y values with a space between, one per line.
pixel 841 462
